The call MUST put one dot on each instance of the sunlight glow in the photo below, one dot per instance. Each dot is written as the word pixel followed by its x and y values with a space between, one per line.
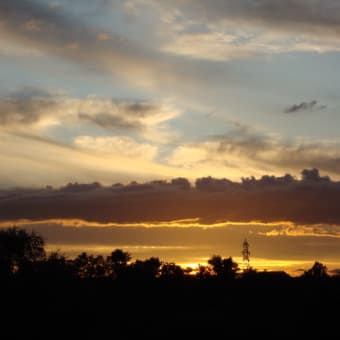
pixel 190 254
pixel 188 223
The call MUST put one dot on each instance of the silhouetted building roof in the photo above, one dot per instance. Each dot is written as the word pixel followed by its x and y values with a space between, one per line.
pixel 273 275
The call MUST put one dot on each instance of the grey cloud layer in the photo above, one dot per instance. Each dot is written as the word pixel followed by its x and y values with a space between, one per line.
pixel 225 30
pixel 315 15
pixel 54 31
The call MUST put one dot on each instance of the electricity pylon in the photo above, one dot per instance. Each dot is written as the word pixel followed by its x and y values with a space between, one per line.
pixel 246 254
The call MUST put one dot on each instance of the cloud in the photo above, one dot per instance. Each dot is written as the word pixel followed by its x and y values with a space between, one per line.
pixel 126 115
pixel 103 36
pixel 39 110
pixel 140 126
pixel 210 184
pixel 320 15
pixel 225 30
pixel 26 107
pixel 121 145
pixel 245 148
pixel 55 31
pixel 214 46
pixel 186 242
pixel 305 106
pixel 173 240
pixel 45 160
pixel 36 108
pixel 311 201
pixel 313 230
pixel 157 64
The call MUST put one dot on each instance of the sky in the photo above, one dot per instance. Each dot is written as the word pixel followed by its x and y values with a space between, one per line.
pixel 114 91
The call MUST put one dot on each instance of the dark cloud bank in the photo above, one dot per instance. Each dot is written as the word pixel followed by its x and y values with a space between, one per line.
pixel 312 199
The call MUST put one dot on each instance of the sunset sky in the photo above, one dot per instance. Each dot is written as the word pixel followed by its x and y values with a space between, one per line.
pixel 115 91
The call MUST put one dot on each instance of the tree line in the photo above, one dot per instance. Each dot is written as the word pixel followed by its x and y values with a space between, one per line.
pixel 23 255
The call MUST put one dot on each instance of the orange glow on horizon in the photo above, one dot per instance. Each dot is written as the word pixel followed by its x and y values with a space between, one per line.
pixel 190 255
pixel 293 267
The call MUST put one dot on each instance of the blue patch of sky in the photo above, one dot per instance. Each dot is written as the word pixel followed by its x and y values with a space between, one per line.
pixel 68 77
pixel 267 87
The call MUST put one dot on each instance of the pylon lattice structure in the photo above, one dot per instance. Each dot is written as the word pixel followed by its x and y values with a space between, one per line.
pixel 246 254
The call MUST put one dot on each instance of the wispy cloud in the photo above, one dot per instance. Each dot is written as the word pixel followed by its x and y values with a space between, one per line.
pixel 55 31
pixel 48 161
pixel 38 109
pixel 246 148
pixel 27 107
pixel 224 30
pixel 121 145
pixel 305 106
pixel 313 230
pixel 295 16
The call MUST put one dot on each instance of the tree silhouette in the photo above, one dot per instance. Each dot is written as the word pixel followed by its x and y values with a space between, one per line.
pixel 119 257
pixel 318 271
pixel 171 270
pixel 118 261
pixel 19 249
pixel 223 268
pixel 82 264
pixel 56 267
pixel 203 272
pixel 91 267
pixel 216 263
pixel 147 269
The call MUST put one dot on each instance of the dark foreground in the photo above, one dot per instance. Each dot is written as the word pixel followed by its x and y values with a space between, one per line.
pixel 190 308
pixel 52 297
